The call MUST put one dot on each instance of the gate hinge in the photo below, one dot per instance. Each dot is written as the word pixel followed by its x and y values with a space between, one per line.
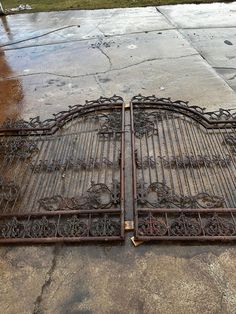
pixel 129 225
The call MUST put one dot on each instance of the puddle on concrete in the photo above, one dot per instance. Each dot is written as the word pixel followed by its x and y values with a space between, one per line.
pixel 11 92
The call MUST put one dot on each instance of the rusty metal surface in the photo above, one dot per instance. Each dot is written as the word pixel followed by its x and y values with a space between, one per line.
pixel 69 178
pixel 62 179
pixel 183 171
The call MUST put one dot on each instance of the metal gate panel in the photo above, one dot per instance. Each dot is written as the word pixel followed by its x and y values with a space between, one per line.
pixel 62 179
pixel 183 171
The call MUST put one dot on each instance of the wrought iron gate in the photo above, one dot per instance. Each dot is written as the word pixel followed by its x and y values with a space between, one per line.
pixel 63 179
pixel 184 171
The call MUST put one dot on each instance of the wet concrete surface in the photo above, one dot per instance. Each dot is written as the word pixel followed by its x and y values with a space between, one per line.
pixel 64 58
pixel 126 52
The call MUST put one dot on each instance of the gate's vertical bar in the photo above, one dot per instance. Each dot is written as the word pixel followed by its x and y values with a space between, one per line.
pixel 134 179
pixel 122 167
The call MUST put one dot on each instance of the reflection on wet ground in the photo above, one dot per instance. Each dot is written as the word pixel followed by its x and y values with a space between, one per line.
pixel 11 90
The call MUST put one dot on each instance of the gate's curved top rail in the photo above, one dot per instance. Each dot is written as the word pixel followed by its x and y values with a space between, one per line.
pixel 49 126
pixel 223 118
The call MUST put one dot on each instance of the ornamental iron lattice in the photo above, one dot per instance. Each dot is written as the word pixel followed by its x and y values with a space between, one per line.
pixel 183 171
pixel 62 179
pixel 74 177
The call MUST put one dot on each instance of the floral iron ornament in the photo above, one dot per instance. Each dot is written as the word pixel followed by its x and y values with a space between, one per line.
pixel 159 195
pixel 231 141
pixel 60 226
pixel 20 148
pixel 9 191
pixel 111 123
pixel 143 124
pixel 73 164
pixel 187 224
pixel 183 162
pixel 98 196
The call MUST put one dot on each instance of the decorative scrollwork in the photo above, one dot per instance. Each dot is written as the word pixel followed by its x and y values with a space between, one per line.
pixel 231 141
pixel 185 226
pixel 188 224
pixel 196 162
pixel 42 228
pixel 73 227
pixel 60 118
pixel 105 226
pixel 13 229
pixel 36 228
pixel 8 190
pixel 152 226
pixel 146 162
pixel 144 124
pixel 217 225
pixel 18 148
pixel 98 196
pixel 71 163
pixel 22 124
pixel 180 162
pixel 60 226
pixel 220 115
pixel 112 123
pixel 159 195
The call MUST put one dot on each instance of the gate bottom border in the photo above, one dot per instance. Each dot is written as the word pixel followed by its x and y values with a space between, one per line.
pixel 185 224
pixel 66 226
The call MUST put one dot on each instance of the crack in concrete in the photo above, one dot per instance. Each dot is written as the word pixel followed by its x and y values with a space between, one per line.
pixel 37 303
pixel 108 58
pixel 96 73
pixel 99 84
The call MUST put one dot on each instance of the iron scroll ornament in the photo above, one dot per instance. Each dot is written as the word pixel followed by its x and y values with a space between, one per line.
pixel 20 148
pixel 159 195
pixel 49 126
pixel 220 115
pixel 60 226
pixel 72 163
pixel 98 196
pixel 190 225
pixel 9 191
pixel 112 123
pixel 185 161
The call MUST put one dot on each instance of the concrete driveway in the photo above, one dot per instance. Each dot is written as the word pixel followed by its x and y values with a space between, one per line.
pixel 51 60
